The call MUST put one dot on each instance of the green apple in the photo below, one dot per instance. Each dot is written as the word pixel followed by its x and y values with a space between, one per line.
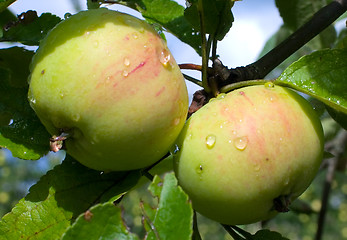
pixel 247 154
pixel 109 81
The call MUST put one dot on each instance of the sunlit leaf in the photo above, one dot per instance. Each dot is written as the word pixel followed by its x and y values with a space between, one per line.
pixel 174 215
pixel 321 75
pixel 103 221
pixel 296 13
pixel 168 14
pixel 61 196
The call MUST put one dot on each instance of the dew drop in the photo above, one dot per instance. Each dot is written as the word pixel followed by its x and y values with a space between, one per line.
pixel 210 141
pixel 108 79
pixel 221 96
pixel 135 36
pixel 125 73
pixel 61 95
pixel 142 30
pixel 32 101
pixel 96 44
pixel 286 182
pixel 126 62
pixel 165 57
pixel 269 85
pixel 176 121
pixel 76 117
pixel 257 167
pixel 67 15
pixel 241 143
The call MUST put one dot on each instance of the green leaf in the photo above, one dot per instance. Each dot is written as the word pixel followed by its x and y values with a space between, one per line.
pixel 29 29
pixel 321 75
pixel 5 3
pixel 267 235
pixel 93 4
pixel 6 17
pixel 103 221
pixel 339 117
pixel 174 215
pixel 20 130
pixel 217 16
pixel 296 13
pixel 61 196
pixel 170 15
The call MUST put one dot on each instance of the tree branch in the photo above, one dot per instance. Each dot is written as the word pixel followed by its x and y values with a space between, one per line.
pixel 336 147
pixel 259 69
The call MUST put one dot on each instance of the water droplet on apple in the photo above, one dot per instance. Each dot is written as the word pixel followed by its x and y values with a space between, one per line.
pixel 142 30
pixel 61 94
pixel 241 143
pixel 221 96
pixel 125 73
pixel 32 101
pixel 96 44
pixel 256 167
pixel 165 57
pixel 76 117
pixel 286 182
pixel 135 36
pixel 126 62
pixel 269 85
pixel 176 121
pixel 210 141
pixel 108 79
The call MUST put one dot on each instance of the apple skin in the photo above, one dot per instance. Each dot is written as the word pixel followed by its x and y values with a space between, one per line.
pixel 109 80
pixel 244 149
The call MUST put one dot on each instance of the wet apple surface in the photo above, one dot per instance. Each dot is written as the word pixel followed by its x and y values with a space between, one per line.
pixel 110 82
pixel 248 153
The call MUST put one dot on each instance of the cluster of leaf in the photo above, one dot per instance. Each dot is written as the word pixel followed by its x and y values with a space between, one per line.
pixel 74 202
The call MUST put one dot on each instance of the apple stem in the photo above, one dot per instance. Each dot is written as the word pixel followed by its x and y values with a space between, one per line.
pixel 57 142
pixel 145 171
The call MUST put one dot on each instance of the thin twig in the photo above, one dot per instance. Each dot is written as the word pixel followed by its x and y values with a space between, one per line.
pixel 204 53
pixel 338 148
pixel 193 80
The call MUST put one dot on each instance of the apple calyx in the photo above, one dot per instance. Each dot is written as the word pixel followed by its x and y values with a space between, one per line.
pixel 57 142
pixel 281 203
